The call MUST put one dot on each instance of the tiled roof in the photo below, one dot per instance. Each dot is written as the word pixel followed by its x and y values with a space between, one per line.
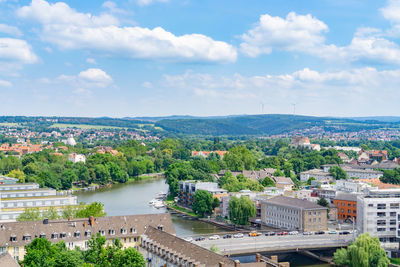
pixel 7 260
pixel 116 223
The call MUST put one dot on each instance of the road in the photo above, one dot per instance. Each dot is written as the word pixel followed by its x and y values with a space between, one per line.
pixel 276 243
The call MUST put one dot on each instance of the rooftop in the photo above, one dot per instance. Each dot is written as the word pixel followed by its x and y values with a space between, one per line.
pixel 293 202
pixel 346 196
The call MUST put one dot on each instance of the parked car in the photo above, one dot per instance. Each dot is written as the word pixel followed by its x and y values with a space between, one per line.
pixel 293 233
pixel 344 233
pixel 270 233
pixel 200 238
pixel 214 237
pixel 254 233
pixel 332 232
pixel 307 233
pixel 227 236
pixel 188 239
pixel 319 233
pixel 238 235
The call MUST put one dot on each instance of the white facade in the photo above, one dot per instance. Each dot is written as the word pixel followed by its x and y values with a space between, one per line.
pixel 318 174
pixel 352 186
pixel 378 213
pixel 73 157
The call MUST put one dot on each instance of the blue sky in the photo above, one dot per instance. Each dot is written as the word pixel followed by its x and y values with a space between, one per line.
pixel 208 57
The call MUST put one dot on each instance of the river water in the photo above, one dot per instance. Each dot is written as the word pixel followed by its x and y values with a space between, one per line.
pixel 133 198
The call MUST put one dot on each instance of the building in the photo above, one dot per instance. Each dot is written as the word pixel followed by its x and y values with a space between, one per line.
pixel 352 186
pixel 15 198
pixel 161 248
pixel 76 232
pixel 346 204
pixel 304 142
pixel 318 174
pixel 293 214
pixel 254 175
pixel 327 193
pixel 343 157
pixel 187 189
pixel 284 183
pixel 206 154
pixel 7 180
pixel 73 157
pixel 378 213
pixel 355 171
pixel 7 260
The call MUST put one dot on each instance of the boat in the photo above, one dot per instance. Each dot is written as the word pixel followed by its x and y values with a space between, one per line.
pixel 159 204
pixel 151 202
pixel 161 195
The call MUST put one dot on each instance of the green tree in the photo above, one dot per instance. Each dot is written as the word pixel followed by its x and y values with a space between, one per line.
pixel 128 257
pixel 323 202
pixel 20 175
pixel 67 177
pixel 310 180
pixel 267 182
pixel 202 202
pixel 366 251
pixel 102 174
pixel 241 209
pixel 239 158
pixel 95 209
pixel 337 172
pixel 29 214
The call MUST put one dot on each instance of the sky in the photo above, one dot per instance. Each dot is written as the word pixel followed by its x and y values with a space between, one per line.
pixel 200 57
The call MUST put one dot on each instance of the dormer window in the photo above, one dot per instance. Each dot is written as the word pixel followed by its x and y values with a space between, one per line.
pixel 88 233
pixel 160 227
pixel 111 232
pixel 26 237
pixel 77 234
pixel 133 230
pixel 123 231
pixel 54 235
pixel 42 235
pixel 13 238
pixel 102 232
pixel 63 235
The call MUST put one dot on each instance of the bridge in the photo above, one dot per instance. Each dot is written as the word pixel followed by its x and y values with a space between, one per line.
pixel 276 244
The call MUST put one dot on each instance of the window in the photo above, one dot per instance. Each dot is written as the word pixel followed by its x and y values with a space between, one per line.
pixel 354 211
pixel 349 211
pixel 102 232
pixel 381 229
pixel 123 231
pixel 342 210
pixel 77 234
pixel 381 206
pixel 63 235
pixel 54 235
pixel 343 204
pixel 133 230
pixel 370 205
pixel 13 238
pixel 111 232
pixel 393 214
pixel 42 235
pixel 349 205
pixel 88 233
pixel 394 205
pixel 381 222
pixel 381 214
pixel 16 250
pixel 26 238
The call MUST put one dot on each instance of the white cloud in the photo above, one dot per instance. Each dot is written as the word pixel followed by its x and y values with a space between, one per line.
pixel 113 7
pixel 91 61
pixel 316 92
pixel 5 83
pixel 148 2
pixel 11 30
pixel 391 11
pixel 293 33
pixel 95 76
pixel 16 50
pixel 70 29
pixel 304 33
pixel 147 85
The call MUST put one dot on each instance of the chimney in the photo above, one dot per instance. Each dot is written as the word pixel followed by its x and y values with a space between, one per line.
pixel 46 221
pixel 70 219
pixel 85 224
pixel 91 221
pixel 237 263
pixel 258 257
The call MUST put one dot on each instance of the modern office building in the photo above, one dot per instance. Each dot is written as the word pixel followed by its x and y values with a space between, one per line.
pixel 293 214
pixel 378 213
pixel 14 236
pixel 346 204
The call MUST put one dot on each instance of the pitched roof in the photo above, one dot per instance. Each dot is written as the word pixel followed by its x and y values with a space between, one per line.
pixel 116 223
pixel 293 202
pixel 7 260
pixel 188 250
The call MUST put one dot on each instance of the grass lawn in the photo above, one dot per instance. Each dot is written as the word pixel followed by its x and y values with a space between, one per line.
pixel 9 124
pixel 190 212
pixel 395 261
pixel 83 126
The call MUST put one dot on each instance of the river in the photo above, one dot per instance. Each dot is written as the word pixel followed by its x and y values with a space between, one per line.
pixel 134 197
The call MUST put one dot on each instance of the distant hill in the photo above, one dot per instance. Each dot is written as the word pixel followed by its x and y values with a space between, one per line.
pixel 254 124
pixel 377 118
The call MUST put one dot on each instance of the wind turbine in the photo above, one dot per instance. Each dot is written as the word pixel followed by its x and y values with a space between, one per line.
pixel 294 108
pixel 262 107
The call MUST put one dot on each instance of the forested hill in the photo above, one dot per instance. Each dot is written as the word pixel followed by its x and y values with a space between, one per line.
pixel 259 124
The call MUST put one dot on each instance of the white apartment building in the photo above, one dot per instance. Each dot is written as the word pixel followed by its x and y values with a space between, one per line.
pixel 73 157
pixel 318 174
pixel 353 186
pixel 378 213
pixel 8 187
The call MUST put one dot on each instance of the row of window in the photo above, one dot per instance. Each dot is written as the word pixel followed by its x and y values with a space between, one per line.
pixel 349 211
pixel 76 234
pixel 383 205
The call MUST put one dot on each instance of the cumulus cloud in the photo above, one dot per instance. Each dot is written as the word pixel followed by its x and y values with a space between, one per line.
pixel 16 50
pixel 391 11
pixel 95 76
pixel 316 92
pixel 11 30
pixel 305 34
pixel 69 29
